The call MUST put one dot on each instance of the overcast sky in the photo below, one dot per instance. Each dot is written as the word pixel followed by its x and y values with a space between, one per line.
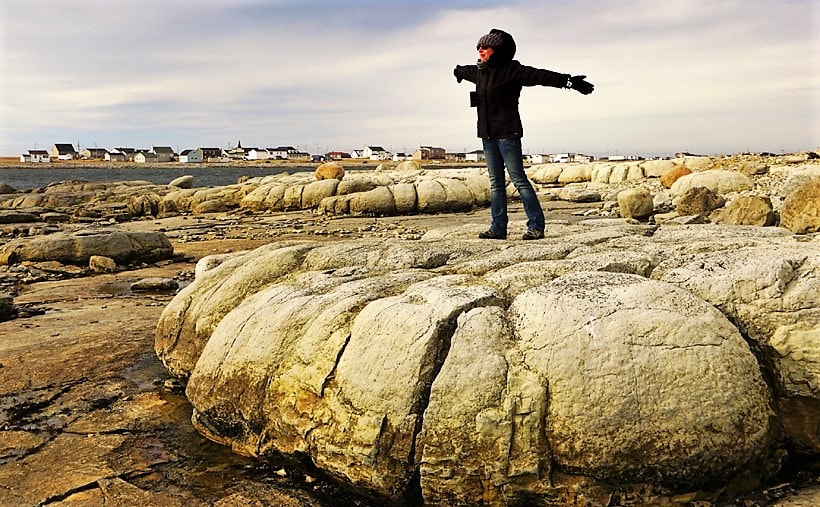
pixel 705 76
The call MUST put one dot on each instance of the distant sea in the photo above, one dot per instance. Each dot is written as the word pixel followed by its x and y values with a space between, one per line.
pixel 26 178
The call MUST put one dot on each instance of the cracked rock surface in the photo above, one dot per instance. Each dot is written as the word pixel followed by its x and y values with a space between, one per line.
pixel 601 360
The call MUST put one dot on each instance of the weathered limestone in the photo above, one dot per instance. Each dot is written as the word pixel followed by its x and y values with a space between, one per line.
pixel 575 173
pixel 186 181
pixel 77 249
pixel 801 209
pixel 775 297
pixel 635 203
pixel 746 210
pixel 545 174
pixel 719 181
pixel 494 371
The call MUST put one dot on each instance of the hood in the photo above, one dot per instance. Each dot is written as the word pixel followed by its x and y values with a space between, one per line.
pixel 506 51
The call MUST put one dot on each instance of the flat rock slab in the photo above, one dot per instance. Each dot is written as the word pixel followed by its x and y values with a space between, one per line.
pixel 77 248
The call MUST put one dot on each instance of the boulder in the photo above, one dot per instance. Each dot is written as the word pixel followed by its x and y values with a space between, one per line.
pixel 657 168
pixel 188 321
pixel 800 212
pixel 17 217
pixel 378 201
pixel 409 166
pixel 102 264
pixel 669 177
pixel 697 163
pixel 699 201
pixel 265 197
pixel 211 206
pixel 793 178
pixel 146 204
pixel 353 185
pixel 443 195
pixel 774 295
pixel 720 181
pixel 545 173
pixel 635 203
pixel 313 193
pixel 336 205
pixel 5 188
pixel 405 198
pixel 154 284
pixel 378 376
pixel 579 195
pixel 186 181
pixel 601 173
pixel 746 210
pixel 7 310
pixel 575 173
pixel 77 248
pixel 330 171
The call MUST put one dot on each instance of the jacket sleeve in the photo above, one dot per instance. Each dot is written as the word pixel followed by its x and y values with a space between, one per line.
pixel 468 72
pixel 530 76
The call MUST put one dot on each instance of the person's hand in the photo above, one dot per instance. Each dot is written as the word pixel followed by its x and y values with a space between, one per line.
pixel 581 85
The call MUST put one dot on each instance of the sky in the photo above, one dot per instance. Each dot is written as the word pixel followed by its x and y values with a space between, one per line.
pixel 700 76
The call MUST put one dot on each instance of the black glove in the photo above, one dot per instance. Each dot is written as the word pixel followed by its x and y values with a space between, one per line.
pixel 581 85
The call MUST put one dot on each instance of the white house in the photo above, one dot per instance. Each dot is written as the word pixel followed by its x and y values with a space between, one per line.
pixel 475 156
pixel 283 152
pixel 375 153
pixel 115 155
pixel 144 157
pixel 127 153
pixel 35 156
pixel 571 157
pixel 190 156
pixel 540 158
pixel 257 154
pixel 63 152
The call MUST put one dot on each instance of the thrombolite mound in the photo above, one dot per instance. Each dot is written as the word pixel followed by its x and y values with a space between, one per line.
pixel 586 365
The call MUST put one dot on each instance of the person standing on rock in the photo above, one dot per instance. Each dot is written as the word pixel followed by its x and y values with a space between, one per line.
pixel 499 79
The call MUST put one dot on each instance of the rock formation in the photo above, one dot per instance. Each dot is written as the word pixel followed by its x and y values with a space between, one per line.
pixel 606 359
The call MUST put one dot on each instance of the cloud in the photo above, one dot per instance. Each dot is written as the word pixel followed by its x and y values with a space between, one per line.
pixel 713 76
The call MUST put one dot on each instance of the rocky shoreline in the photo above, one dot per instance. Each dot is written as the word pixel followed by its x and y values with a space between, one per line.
pixel 78 367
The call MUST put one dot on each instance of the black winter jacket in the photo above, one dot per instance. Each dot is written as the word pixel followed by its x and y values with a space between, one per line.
pixel 498 87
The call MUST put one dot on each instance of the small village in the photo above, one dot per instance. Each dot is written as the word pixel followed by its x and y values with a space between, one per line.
pixel 166 154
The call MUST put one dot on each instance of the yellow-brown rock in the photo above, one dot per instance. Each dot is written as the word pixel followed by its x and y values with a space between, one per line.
pixel 330 171
pixel 801 209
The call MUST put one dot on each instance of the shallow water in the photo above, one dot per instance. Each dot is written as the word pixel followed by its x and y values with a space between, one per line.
pixel 204 175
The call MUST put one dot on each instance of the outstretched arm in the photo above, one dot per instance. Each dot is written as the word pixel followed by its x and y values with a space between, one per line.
pixel 530 76
pixel 468 72
pixel 580 84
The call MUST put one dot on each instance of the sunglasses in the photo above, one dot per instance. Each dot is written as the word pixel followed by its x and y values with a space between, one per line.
pixel 483 47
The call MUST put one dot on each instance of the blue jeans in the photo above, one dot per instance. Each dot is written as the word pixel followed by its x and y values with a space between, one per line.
pixel 498 153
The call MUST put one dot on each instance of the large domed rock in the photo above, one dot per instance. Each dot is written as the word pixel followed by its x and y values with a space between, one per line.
pixel 474 371
pixel 718 181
